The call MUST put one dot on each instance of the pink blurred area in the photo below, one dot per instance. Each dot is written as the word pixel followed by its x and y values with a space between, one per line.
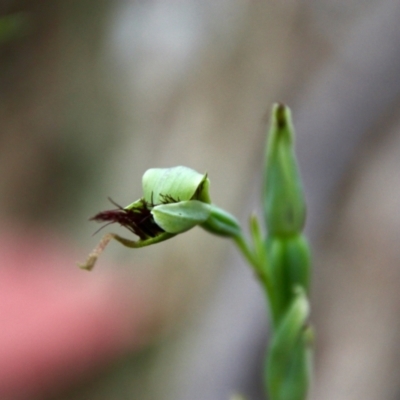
pixel 59 324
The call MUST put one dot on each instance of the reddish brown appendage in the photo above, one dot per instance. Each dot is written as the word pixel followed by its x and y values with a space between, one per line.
pixel 139 220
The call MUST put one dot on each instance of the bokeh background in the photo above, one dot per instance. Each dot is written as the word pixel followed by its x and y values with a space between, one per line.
pixel 92 93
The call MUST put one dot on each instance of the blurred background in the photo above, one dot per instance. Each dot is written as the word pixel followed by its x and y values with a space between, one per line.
pixel 92 93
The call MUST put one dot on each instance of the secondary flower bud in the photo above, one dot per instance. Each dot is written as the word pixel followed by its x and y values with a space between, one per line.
pixel 284 204
pixel 289 265
pixel 289 361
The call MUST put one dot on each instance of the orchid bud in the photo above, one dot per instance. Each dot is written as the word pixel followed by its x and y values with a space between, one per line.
pixel 284 203
pixel 175 200
pixel 298 260
pixel 289 265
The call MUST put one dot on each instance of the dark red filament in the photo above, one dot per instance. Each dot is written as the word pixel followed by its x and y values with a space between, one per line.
pixel 139 221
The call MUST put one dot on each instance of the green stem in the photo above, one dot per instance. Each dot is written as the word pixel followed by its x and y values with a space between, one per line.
pixel 247 252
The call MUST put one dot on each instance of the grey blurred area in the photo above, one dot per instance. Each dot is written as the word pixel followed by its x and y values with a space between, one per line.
pixel 95 92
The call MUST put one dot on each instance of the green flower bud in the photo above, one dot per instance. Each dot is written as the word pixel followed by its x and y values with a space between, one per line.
pixel 297 382
pixel 281 291
pixel 288 363
pixel 289 265
pixel 284 204
pixel 298 261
